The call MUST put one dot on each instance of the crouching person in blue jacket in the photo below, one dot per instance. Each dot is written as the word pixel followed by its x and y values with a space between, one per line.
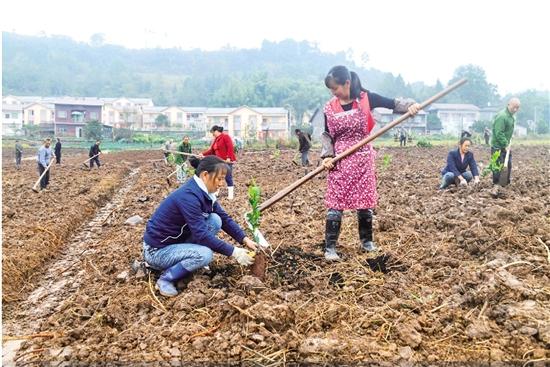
pixel 181 237
pixel 455 172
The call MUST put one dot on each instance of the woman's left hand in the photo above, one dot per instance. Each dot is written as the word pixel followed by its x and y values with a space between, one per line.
pixel 250 244
pixel 414 108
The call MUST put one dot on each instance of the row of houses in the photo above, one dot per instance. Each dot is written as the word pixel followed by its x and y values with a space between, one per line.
pixel 67 116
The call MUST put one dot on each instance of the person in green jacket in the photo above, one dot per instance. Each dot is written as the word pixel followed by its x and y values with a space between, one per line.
pixel 181 160
pixel 184 147
pixel 503 128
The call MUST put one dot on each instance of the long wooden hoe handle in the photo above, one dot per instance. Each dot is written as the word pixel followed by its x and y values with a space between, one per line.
pixel 89 159
pixel 35 187
pixel 172 174
pixel 182 153
pixel 287 190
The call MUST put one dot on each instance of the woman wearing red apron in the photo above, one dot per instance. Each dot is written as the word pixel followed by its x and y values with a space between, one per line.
pixel 351 182
pixel 222 147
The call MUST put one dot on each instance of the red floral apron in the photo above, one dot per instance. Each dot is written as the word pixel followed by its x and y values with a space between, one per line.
pixel 352 182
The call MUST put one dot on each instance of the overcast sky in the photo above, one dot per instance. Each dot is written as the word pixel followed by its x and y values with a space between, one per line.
pixel 422 40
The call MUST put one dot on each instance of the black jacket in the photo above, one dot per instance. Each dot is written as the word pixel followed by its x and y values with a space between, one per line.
pixel 305 142
pixel 94 149
pixel 57 148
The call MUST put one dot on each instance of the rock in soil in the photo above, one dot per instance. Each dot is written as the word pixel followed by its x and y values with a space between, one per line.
pixel 315 345
pixel 135 220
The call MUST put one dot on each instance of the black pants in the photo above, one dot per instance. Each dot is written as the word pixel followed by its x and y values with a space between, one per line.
pixel 18 160
pixel 58 158
pixel 402 141
pixel 46 179
pixel 501 158
pixel 96 160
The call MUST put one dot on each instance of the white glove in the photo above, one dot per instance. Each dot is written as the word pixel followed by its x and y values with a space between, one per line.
pixel 242 256
pixel 463 182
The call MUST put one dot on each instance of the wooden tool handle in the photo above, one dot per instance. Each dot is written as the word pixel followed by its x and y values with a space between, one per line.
pixel 89 159
pixel 35 187
pixel 182 153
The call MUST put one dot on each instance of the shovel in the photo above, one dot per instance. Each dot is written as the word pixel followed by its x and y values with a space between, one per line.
pixel 35 187
pixel 505 173
pixel 289 189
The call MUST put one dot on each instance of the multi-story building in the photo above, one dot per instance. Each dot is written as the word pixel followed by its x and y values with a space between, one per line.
pixel 40 114
pixel 416 125
pixel 455 117
pixel 124 112
pixel 12 116
pixel 251 122
pixel 72 114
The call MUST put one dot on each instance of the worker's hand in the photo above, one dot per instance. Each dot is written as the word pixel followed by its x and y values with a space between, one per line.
pixel 327 164
pixel 476 179
pixel 228 160
pixel 463 182
pixel 200 156
pixel 250 244
pixel 242 256
pixel 414 108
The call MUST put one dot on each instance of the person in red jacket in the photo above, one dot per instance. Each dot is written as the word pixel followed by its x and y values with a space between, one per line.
pixel 222 147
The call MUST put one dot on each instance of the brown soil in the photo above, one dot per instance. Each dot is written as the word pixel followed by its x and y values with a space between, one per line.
pixel 462 275
pixel 259 267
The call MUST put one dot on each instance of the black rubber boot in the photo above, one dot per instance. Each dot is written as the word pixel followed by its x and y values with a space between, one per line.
pixel 364 217
pixel 332 232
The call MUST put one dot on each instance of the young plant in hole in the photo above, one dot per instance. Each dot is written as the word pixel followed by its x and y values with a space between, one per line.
pixel 494 166
pixel 253 216
pixel 386 161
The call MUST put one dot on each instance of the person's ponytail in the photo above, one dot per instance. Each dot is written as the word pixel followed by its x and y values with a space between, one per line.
pixel 355 86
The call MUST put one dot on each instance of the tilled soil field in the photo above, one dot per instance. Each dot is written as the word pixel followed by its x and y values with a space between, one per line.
pixel 461 275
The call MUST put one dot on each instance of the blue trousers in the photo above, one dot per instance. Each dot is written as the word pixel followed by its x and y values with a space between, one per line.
pixel 229 175
pixel 192 256
pixel 449 179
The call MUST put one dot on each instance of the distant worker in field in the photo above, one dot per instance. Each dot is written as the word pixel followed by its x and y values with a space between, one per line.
pixel 304 145
pixel 402 138
pixel 44 158
pixel 184 147
pixel 167 147
pixel 351 182
pixel 503 128
pixel 58 151
pixel 458 161
pixel 238 145
pixel 486 135
pixel 181 235
pixel 18 154
pixel 181 160
pixel 95 151
pixel 222 147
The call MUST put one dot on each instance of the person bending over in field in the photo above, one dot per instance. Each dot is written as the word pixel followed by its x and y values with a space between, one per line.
pixel 458 161
pixel 351 182
pixel 181 237
pixel 222 147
